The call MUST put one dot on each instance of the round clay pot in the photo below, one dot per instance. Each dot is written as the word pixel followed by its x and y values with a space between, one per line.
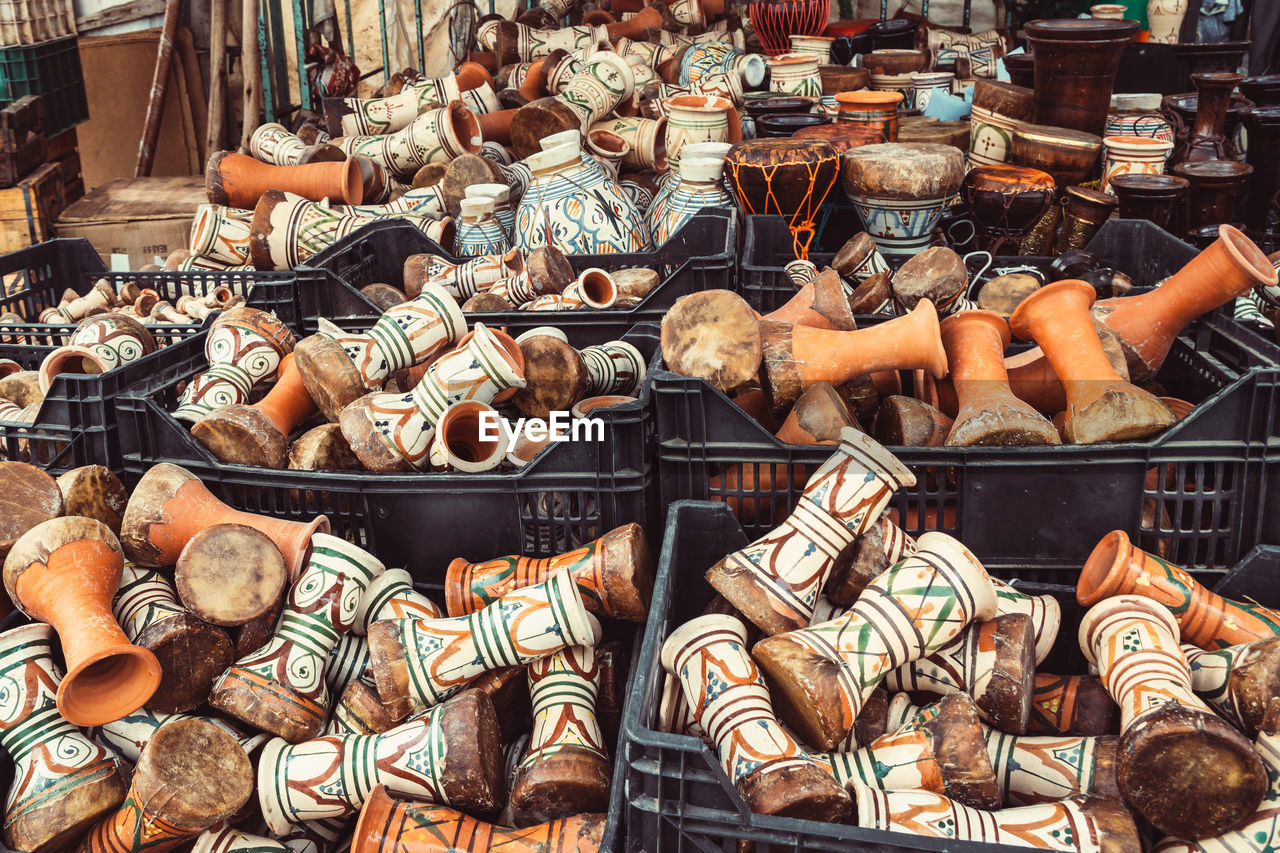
pixel 784 126
pixel 876 111
pixel 1068 155
pixel 1217 187
pixel 1075 69
pixel 1129 155
pixel 1161 199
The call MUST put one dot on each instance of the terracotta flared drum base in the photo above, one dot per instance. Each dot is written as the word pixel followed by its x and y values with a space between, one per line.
pixel 111 683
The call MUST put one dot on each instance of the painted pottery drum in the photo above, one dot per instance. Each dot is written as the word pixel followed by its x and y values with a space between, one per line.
pixel 1138 115
pixel 873 110
pixel 900 190
pixel 1130 155
pixel 1005 202
pixel 1068 155
pixel 990 137
pixel 786 177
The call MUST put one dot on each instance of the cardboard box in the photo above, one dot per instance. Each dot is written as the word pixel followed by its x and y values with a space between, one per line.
pixel 135 221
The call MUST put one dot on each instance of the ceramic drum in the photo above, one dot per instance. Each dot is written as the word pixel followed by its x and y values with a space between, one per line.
pixel 785 177
pixel 876 111
pixel 900 190
pixel 1005 202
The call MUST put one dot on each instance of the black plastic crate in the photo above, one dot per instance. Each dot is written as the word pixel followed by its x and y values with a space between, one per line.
pixel 571 493
pixel 678 798
pixel 1140 248
pixel 700 256
pixel 51 70
pixel 630 635
pixel 36 278
pixel 1217 500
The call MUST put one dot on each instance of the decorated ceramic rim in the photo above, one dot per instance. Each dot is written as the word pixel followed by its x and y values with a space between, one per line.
pixel 1137 144
pixel 793 59
pixel 699 103
pixel 1059 137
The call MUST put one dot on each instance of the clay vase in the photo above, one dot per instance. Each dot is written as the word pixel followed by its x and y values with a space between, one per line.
pixel 98 345
pixel 313 780
pixel 989 413
pixel 795 74
pixel 280 687
pixel 1205 619
pixel 1147 324
pixel 796 357
pixel 604 81
pixel 235 180
pixel 693 119
pixel 387 825
pixel 576 208
pixel 1101 406
pixel 701 185
pixel 1048 826
pixel 436 136
pixel 1133 155
pixel 1216 190
pixel 992 661
pixel 876 111
pixel 614 575
pixel 942 751
pixel 703 60
pixel 191 775
pixel 64 572
pixel 1259 831
pixel 1165 20
pixel 728 700
pixel 1168 734
pixel 428 660
pixel 478 230
pixel 900 190
pixel 788 178
pixel 1208 140
pixel 822 674
pixel 169 506
pixel 258 435
pixel 393 431
pixel 1241 683
pixel 566 769
pixel 1075 69
pixel 1005 202
pixel 287 229
pixel 503 209
pixel 337 366
pixel 191 652
pixel 63 782
pixel 775 581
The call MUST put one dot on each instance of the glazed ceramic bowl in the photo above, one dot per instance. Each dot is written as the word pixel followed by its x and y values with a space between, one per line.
pixel 1068 155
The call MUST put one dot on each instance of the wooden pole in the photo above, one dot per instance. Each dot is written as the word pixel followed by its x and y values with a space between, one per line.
pixel 195 91
pixel 159 85
pixel 251 67
pixel 217 76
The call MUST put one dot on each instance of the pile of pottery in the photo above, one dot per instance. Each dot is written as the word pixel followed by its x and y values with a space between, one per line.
pixel 806 373
pixel 417 392
pixel 267 681
pixel 848 673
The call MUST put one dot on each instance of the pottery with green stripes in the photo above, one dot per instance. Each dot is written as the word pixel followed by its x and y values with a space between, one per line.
pixel 129 734
pixel 909 612
pixel 244 348
pixel 1241 683
pixel 390 596
pixel 63 781
pixel 451 754
pixel 191 652
pixel 228 839
pixel 338 366
pixel 565 770
pixel 393 431
pixel 425 661
pixel 280 688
